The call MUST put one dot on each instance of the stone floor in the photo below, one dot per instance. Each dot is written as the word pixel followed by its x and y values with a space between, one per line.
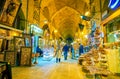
pixel 50 70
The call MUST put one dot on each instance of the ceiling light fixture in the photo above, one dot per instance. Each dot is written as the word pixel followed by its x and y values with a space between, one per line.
pixel 86 36
pixel 85 18
pixel 55 31
pixel 87 13
pixel 45 21
pixel 114 4
pixel 82 33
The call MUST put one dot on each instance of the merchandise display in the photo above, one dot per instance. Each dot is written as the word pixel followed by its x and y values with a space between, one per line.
pixel 113 55
pixel 48 53
pixel 95 62
pixel 103 61
pixel 98 36
pixel 26 54
pixel 19 41
pixel 10 57
pixel 28 40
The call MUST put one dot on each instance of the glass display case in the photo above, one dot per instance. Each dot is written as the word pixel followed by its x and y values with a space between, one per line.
pixel 114 36
pixel 113 30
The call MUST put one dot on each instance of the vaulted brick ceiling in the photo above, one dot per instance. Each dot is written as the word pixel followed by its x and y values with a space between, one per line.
pixel 64 15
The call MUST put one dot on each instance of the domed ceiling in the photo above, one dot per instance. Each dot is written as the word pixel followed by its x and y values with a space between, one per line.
pixel 64 15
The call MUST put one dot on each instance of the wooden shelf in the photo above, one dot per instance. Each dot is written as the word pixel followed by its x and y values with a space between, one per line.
pixel 10 28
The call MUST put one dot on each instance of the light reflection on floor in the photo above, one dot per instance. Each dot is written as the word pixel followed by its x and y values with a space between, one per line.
pixel 68 69
pixel 49 70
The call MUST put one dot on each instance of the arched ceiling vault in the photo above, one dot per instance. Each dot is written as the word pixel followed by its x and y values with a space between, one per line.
pixel 64 15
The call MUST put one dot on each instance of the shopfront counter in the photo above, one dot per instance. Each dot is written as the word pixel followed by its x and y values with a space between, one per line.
pixel 113 60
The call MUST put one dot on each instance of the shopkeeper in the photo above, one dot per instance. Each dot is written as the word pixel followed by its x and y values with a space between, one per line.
pixel 38 50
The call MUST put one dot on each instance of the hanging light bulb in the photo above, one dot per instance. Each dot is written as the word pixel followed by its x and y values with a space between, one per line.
pixel 45 21
pixel 87 13
pixel 55 31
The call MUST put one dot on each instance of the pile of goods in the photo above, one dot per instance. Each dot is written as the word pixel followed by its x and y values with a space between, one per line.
pixel 95 62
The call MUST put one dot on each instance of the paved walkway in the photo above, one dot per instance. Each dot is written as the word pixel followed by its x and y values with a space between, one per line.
pixel 50 70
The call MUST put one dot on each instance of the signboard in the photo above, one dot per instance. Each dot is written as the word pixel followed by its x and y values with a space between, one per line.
pixel 36 30
pixel 114 4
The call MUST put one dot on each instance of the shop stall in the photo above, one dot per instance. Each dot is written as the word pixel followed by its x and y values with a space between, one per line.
pixel 7 52
pixel 37 41
pixel 37 34
pixel 104 61
pixel 111 25
pixel 11 43
pixel 113 55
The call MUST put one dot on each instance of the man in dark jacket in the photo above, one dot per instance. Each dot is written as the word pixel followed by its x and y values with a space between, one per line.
pixel 38 50
pixel 65 50
pixel 81 49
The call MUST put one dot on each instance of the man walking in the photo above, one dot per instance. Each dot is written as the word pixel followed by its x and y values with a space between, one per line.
pixel 81 49
pixel 65 50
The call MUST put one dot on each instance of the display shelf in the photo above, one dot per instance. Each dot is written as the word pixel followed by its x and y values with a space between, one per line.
pixel 10 28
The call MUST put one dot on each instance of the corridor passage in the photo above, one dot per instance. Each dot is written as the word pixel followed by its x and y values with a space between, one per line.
pixel 50 70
